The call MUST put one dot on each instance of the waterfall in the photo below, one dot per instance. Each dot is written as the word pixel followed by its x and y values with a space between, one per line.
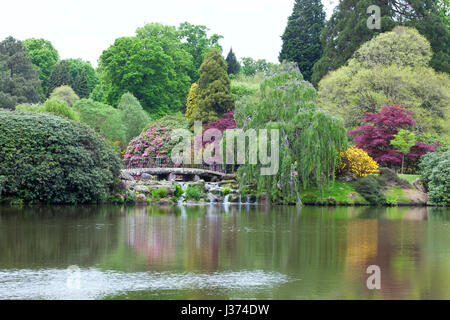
pixel 226 199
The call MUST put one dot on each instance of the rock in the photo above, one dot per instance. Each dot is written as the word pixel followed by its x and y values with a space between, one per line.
pixel 234 198
pixel 163 202
pixel 419 185
pixel 332 201
pixel 126 176
pixel 221 183
pixel 141 198
pixel 251 198
pixel 352 195
pixel 196 178
pixel 146 176
pixel 217 191
pixel 141 188
pixel 172 177
pixel 416 197
pixel 200 183
pixel 212 197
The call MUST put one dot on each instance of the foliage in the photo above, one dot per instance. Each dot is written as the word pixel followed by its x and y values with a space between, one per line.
pixel 133 116
pixel 60 76
pixel 178 191
pixel 226 191
pixel 388 177
pixel 403 141
pixel 301 39
pixel 193 193
pixel 375 138
pixel 311 140
pixel 371 190
pixel 377 77
pixel 66 94
pixel 250 67
pixel 435 171
pixel 159 193
pixel 50 159
pixel 191 100
pixel 214 93
pixel 78 67
pixel 347 30
pixel 233 66
pixel 196 41
pixel 172 121
pixel 104 119
pixel 80 85
pixel 55 106
pixel 19 81
pixel 155 142
pixel 343 193
pixel 44 57
pixel 357 163
pixel 146 71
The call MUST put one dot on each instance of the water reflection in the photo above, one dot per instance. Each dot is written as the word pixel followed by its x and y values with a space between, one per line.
pixel 225 252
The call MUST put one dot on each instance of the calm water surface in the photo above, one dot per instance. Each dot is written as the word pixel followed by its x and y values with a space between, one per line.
pixel 217 252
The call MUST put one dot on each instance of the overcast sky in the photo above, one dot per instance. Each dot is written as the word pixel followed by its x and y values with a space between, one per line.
pixel 84 28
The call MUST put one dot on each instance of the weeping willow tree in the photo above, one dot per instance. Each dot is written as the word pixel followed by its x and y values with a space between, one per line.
pixel 310 140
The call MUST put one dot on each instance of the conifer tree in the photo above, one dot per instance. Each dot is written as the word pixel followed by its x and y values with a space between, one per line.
pixel 60 76
pixel 80 85
pixel 301 39
pixel 233 65
pixel 19 81
pixel 214 91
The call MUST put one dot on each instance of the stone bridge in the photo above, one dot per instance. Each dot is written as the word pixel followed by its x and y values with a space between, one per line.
pixel 181 174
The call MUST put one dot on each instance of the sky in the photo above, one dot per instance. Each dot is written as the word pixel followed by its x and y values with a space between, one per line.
pixel 84 28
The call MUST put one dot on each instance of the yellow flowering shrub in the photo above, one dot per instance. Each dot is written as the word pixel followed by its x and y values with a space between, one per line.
pixel 357 162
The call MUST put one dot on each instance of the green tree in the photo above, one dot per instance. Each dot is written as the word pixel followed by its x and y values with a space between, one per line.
pixel 60 76
pixel 214 92
pixel 301 39
pixel 104 119
pixel 44 57
pixel 376 77
pixel 133 116
pixel 191 100
pixel 168 39
pixel 347 30
pixel 66 94
pixel 310 139
pixel 232 63
pixel 141 67
pixel 76 68
pixel 80 85
pixel 196 41
pixel 403 141
pixel 19 82
pixel 251 67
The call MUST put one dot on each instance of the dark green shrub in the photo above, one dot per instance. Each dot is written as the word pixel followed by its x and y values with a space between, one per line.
pixel 435 172
pixel 226 191
pixel 45 158
pixel 130 198
pixel 370 189
pixel 159 193
pixel 55 106
pixel 388 177
pixel 194 193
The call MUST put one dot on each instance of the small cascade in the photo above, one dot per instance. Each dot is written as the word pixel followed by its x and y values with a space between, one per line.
pixel 226 199
pixel 184 186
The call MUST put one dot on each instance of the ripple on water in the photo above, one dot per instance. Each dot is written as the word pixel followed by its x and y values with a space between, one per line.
pixel 95 283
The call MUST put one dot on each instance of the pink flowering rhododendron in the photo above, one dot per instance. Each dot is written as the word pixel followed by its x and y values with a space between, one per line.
pixel 154 143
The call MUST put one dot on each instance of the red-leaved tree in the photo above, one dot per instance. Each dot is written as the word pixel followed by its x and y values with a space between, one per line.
pixel 375 136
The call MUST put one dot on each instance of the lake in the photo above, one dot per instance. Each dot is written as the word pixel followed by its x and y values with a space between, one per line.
pixel 223 252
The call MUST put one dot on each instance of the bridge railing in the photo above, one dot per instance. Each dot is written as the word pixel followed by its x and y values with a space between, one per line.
pixel 166 162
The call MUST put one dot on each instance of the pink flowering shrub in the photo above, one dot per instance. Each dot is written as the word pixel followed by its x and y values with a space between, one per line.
pixel 153 143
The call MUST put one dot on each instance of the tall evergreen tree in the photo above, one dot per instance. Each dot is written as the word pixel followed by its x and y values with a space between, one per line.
pixel 301 39
pixel 60 76
pixel 80 85
pixel 233 65
pixel 214 89
pixel 347 30
pixel 19 82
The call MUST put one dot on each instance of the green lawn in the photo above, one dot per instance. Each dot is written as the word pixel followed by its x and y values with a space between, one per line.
pixel 409 177
pixel 342 192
